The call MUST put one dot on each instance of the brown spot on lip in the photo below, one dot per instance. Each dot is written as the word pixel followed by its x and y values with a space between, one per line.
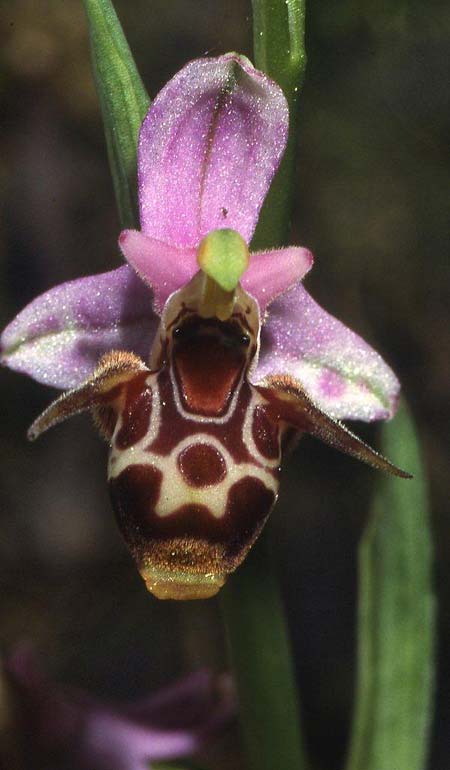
pixel 249 504
pixel 202 465
pixel 135 492
pixel 266 434
pixel 189 553
pixel 135 414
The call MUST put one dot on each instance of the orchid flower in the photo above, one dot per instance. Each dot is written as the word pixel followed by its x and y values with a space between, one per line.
pixel 200 361
pixel 76 730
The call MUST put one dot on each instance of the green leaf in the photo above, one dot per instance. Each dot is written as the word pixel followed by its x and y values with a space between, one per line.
pixel 262 664
pixel 279 50
pixel 396 617
pixel 123 100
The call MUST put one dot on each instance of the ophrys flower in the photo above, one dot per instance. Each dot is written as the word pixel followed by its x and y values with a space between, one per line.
pixel 242 359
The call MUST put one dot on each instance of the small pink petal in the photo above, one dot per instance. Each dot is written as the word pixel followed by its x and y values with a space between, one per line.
pixel 163 267
pixel 341 372
pixel 271 273
pixel 59 337
pixel 208 149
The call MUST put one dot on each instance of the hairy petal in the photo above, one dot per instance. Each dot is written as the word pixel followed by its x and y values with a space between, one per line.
pixel 166 268
pixel 208 149
pixel 59 337
pixel 163 267
pixel 115 369
pixel 341 373
pixel 271 273
pixel 292 405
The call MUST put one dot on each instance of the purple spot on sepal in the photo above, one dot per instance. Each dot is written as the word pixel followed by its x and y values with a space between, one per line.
pixel 331 384
pixel 304 342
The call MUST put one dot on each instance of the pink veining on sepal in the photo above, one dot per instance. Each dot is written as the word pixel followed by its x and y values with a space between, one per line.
pixel 208 150
pixel 271 273
pixel 161 266
pixel 59 337
pixel 341 372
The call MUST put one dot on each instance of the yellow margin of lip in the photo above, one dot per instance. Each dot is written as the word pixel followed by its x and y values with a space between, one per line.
pixel 181 585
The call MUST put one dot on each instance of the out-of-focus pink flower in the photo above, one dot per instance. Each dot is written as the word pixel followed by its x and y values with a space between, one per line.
pixel 67 728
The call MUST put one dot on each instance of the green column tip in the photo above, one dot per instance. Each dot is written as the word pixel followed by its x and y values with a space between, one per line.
pixel 223 255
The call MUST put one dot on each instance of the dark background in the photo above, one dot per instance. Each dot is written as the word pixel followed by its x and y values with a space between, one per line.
pixel 370 204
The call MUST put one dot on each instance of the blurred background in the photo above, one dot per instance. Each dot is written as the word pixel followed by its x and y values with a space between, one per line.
pixel 370 204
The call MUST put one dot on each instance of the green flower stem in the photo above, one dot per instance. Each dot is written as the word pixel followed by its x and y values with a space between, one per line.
pixel 279 50
pixel 252 605
pixel 396 617
pixel 262 662
pixel 123 101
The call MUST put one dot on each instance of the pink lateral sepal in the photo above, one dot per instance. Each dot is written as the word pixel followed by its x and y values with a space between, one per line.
pixel 343 375
pixel 59 337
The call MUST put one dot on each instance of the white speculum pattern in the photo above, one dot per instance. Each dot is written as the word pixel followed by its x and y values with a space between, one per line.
pixel 175 491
